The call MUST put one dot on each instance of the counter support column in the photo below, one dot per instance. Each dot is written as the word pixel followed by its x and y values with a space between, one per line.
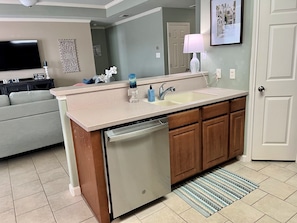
pixel 74 186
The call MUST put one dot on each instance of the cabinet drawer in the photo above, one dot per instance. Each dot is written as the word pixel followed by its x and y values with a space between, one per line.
pixel 237 104
pixel 183 118
pixel 211 111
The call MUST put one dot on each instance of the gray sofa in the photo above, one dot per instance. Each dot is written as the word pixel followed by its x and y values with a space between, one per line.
pixel 28 120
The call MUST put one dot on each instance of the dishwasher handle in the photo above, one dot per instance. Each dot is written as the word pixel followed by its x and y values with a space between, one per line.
pixel 134 134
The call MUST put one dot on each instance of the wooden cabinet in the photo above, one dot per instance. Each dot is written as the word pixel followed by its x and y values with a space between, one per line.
pixel 185 145
pixel 91 170
pixel 236 132
pixel 215 131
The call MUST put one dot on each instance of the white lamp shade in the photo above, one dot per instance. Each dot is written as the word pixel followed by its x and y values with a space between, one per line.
pixel 28 3
pixel 193 43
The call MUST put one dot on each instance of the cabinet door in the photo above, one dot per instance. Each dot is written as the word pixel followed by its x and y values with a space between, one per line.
pixel 236 145
pixel 185 153
pixel 215 141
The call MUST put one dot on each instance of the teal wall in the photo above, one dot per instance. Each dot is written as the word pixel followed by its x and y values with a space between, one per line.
pixel 176 15
pixel 133 46
pixel 99 38
pixel 228 57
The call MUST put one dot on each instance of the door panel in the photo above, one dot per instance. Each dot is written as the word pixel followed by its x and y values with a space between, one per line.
pixel 282 56
pixel 274 125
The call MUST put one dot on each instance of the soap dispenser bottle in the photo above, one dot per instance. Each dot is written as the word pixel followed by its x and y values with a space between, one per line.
pixel 151 94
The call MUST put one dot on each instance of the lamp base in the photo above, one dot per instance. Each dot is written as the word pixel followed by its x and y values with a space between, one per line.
pixel 194 64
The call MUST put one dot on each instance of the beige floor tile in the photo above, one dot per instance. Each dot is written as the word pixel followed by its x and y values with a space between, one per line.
pixel 5 189
pixel 20 179
pixel 60 153
pixel 267 219
pixel 149 209
pixel 6 203
pixel 175 203
pixel 256 165
pixel 43 214
pixel 20 165
pixel 65 166
pixel 241 212
pixel 293 220
pixel 30 203
pixel 56 186
pixel 292 181
pixel 277 188
pixel 194 216
pixel 91 220
pixel 4 177
pixel 165 215
pixel 129 218
pixel 3 168
pixel 292 167
pixel 62 199
pixel 233 166
pixel 252 175
pixel 277 172
pixel 253 197
pixel 52 175
pixel 44 163
pixel 8 216
pixel 280 163
pixel 26 189
pixel 74 213
pixel 292 199
pixel 276 208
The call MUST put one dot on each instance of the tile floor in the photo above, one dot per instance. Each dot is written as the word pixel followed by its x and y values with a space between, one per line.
pixel 34 189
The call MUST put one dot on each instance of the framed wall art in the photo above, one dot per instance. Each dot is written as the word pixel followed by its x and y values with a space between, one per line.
pixel 226 18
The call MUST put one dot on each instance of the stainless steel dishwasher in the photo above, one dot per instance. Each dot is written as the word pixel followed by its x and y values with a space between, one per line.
pixel 138 164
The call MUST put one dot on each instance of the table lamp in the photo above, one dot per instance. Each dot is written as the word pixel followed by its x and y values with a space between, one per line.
pixel 193 43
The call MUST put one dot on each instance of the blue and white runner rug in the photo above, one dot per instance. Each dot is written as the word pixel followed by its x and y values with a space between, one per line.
pixel 214 190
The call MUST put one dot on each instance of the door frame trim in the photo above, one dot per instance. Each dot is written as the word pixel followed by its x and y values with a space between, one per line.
pixel 252 85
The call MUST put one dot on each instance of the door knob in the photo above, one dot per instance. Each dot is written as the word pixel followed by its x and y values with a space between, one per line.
pixel 261 88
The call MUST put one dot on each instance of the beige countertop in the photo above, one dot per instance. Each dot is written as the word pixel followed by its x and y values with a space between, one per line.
pixel 111 113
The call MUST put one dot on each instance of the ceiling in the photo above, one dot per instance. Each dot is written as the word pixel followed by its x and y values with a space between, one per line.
pixel 100 12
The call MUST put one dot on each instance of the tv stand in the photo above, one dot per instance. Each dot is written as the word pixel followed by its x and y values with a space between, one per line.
pixel 26 85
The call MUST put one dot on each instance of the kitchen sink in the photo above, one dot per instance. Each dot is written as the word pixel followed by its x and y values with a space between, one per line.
pixel 164 103
pixel 181 98
pixel 186 97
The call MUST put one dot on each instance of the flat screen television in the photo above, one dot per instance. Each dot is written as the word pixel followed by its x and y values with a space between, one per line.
pixel 19 55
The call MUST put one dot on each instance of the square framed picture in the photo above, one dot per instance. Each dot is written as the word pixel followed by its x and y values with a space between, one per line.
pixel 226 18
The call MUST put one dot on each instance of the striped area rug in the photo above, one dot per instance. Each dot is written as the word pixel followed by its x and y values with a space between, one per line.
pixel 214 190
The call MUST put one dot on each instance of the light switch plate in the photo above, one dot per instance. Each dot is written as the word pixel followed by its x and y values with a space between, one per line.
pixel 219 73
pixel 158 55
pixel 232 73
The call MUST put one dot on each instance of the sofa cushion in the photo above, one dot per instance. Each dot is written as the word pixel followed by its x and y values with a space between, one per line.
pixel 22 97
pixel 28 109
pixel 4 100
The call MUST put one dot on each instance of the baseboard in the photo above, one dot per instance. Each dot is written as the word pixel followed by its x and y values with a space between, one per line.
pixel 243 158
pixel 75 191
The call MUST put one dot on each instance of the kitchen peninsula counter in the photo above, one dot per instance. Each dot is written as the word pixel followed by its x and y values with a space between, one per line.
pixel 111 113
pixel 86 110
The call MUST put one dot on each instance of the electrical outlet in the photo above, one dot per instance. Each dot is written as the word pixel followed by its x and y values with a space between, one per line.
pixel 219 73
pixel 232 73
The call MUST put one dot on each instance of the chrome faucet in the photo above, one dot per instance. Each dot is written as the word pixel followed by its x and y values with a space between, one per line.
pixel 162 92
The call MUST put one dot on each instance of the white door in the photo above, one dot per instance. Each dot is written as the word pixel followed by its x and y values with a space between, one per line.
pixel 178 62
pixel 275 89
